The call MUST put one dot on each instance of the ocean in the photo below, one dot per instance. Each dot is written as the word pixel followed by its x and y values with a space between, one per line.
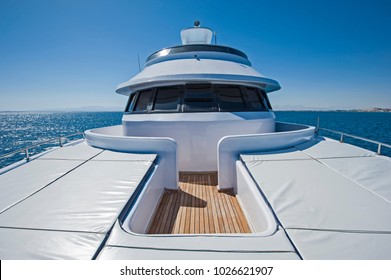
pixel 371 125
pixel 21 129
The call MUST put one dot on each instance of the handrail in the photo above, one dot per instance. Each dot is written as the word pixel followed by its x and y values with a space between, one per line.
pixel 343 134
pixel 26 150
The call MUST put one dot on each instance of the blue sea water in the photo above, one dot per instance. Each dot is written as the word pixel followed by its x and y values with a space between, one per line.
pixel 21 129
pixel 371 125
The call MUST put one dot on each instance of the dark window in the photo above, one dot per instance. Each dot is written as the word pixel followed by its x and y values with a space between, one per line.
pixel 199 98
pixel 130 101
pixel 266 100
pixel 167 99
pixel 251 95
pixel 143 100
pixel 231 99
pixel 196 48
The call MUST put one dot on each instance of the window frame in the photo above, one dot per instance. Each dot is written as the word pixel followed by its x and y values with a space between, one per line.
pixel 130 103
pixel 265 99
pixel 147 110
pixel 178 107
pixel 241 94
pixel 215 100
pixel 261 95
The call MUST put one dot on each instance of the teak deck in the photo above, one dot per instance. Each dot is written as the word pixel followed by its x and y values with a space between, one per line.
pixel 198 208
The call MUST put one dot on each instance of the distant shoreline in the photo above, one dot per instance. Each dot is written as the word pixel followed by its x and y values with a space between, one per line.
pixel 383 110
pixel 372 110
pixel 339 110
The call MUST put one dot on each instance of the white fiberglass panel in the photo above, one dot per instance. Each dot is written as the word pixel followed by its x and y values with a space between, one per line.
pixel 192 66
pixel 230 147
pixel 198 35
pixel 197 134
pixel 182 71
pixel 113 138
pixel 278 242
pixel 257 212
pixel 119 253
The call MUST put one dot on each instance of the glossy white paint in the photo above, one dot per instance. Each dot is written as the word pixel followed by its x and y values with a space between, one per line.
pixel 112 138
pixel 258 213
pixel 190 246
pixel 200 55
pixel 185 70
pixel 197 134
pixel 230 147
pixel 142 212
pixel 196 35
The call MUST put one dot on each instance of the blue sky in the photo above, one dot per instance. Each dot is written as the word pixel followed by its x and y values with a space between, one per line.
pixel 70 54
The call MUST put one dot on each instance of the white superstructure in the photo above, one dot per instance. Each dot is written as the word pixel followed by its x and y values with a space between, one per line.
pixel 196 94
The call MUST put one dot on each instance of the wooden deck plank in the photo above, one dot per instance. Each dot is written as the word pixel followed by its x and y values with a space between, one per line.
pixel 198 208
pixel 172 211
pixel 232 221
pixel 234 203
pixel 200 205
pixel 187 208
pixel 182 216
pixel 164 218
pixel 228 214
pixel 203 225
pixel 214 213
pixel 191 206
pixel 223 222
pixel 208 224
pixel 241 218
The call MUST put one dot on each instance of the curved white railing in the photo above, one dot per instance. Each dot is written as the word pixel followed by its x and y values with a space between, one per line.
pixel 112 138
pixel 230 147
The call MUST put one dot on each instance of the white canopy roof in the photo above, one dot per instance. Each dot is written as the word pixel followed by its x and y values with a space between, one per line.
pixel 181 71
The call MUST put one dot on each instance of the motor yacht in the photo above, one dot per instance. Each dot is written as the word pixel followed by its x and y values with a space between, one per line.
pixel 198 169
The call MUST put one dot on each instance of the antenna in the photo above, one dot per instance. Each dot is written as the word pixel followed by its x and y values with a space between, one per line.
pixel 138 60
pixel 215 34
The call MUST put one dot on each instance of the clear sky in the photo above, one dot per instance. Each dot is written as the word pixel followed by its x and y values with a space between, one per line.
pixel 73 53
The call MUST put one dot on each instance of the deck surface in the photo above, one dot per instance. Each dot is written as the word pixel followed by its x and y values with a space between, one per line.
pixel 198 208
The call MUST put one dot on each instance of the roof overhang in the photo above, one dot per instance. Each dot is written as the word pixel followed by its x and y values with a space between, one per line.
pixel 195 70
